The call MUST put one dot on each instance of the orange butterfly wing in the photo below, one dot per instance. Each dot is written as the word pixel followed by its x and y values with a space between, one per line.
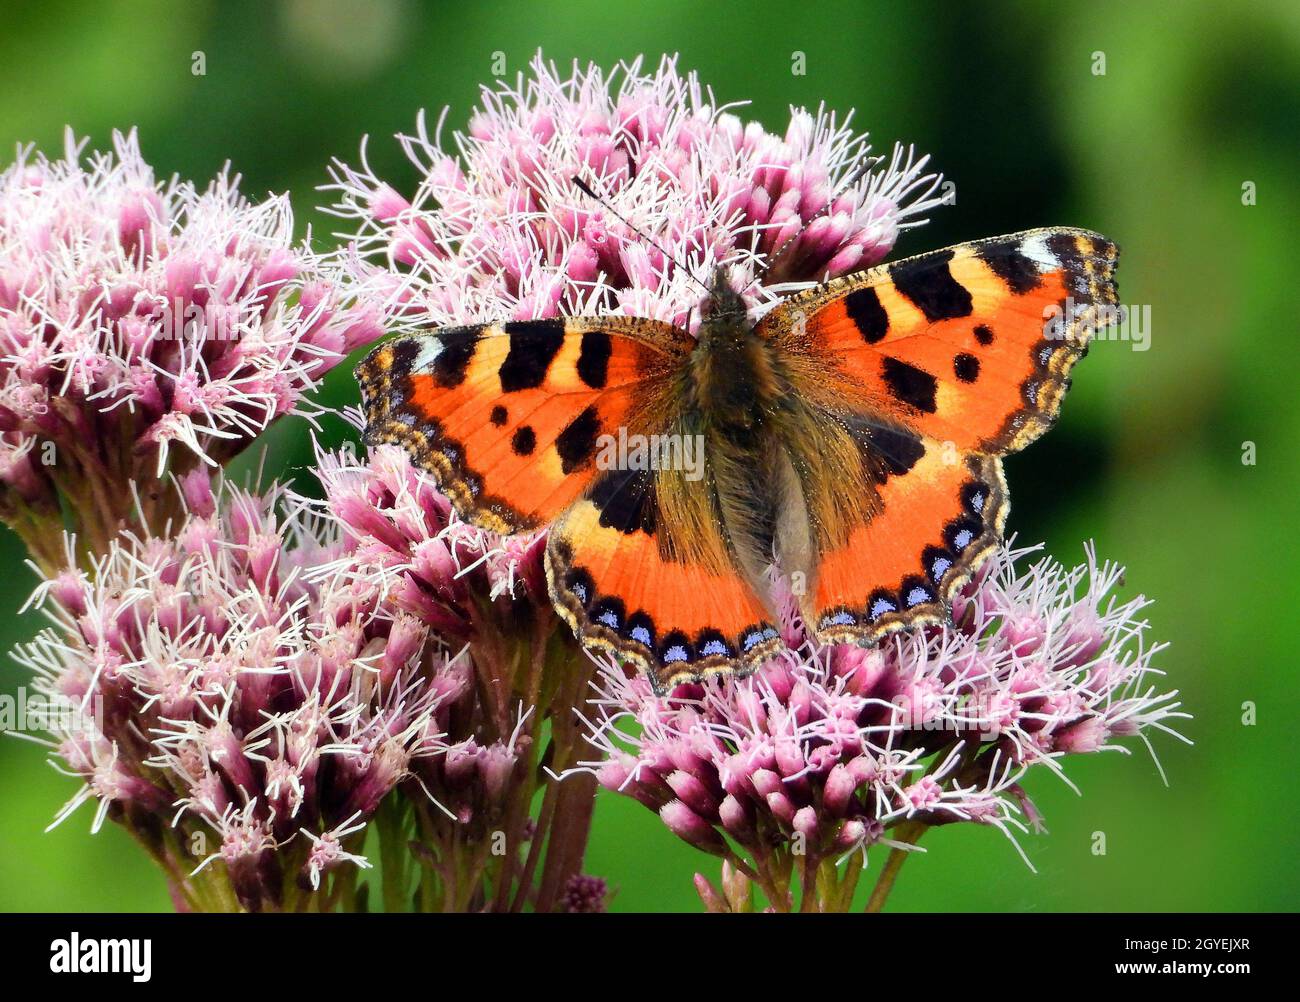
pixel 936 524
pixel 631 579
pixel 930 368
pixel 971 345
pixel 508 417
pixel 941 364
pixel 511 421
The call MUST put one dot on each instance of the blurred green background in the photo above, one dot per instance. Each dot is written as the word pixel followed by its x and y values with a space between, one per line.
pixel 1196 100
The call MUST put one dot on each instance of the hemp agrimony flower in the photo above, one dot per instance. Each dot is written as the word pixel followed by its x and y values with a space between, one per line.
pixel 146 326
pixel 794 774
pixel 497 230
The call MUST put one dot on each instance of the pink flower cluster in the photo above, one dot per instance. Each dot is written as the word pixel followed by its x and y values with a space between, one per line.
pixel 261 680
pixel 501 232
pixel 255 684
pixel 401 533
pixel 824 754
pixel 137 315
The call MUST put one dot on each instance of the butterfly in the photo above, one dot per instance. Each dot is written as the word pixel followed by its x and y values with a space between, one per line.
pixel 854 436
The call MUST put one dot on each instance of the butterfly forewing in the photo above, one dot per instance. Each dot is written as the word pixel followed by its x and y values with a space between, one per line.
pixel 508 417
pixel 970 345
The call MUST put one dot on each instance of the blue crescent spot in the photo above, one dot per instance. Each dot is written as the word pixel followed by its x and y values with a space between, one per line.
pixel 940 567
pixel 977 502
pixel 609 619
pixel 962 539
pixel 916 596
pixel 675 653
pixel 839 619
pixel 770 633
pixel 641 635
pixel 580 591
pixel 714 647
pixel 881 606
pixel 751 640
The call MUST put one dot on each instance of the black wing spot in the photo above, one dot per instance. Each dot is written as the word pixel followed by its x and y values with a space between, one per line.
pixel 711 643
pixel 961 532
pixel 404 351
pixel 880 603
pixel 609 612
pixel 910 385
pixel 641 628
pixel 499 415
pixel 675 649
pixel 577 443
pixel 966 367
pixel 453 358
pixel 580 584
pixel 937 562
pixel 1066 250
pixel 593 359
pixel 533 346
pixel 1020 274
pixel 901 450
pixel 864 309
pixel 984 335
pixel 916 591
pixel 524 441
pixel 626 500
pixel 975 497
pixel 929 284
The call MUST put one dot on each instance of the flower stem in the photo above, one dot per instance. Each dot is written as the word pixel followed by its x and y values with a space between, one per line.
pixel 849 885
pixel 908 833
pixel 392 854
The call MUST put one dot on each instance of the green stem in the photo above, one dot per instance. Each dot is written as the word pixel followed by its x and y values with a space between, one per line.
pixel 908 833
pixel 392 854
pixel 849 884
pixel 810 900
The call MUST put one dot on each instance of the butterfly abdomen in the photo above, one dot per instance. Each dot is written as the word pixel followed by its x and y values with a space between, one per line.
pixel 732 385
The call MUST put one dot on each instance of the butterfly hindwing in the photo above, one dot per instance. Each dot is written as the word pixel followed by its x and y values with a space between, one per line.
pixel 640 568
pixel 936 523
pixel 508 417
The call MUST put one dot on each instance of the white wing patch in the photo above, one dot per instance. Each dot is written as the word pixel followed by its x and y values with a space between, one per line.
pixel 1036 249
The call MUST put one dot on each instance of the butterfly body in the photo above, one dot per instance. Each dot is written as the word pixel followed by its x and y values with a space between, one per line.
pixel 731 398
pixel 852 437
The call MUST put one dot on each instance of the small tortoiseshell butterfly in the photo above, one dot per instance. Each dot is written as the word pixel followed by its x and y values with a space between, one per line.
pixel 856 432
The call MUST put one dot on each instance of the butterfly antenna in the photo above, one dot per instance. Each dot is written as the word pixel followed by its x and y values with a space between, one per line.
pixel 587 190
pixel 849 182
